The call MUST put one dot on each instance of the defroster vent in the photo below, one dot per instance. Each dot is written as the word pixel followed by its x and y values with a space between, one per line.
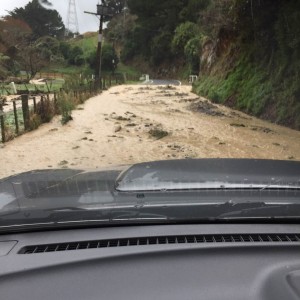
pixel 160 240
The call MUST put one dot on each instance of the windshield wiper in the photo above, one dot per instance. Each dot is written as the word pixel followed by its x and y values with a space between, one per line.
pixel 263 210
pixel 137 215
pixel 146 214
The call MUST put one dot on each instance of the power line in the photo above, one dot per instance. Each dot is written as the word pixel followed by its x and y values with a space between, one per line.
pixel 72 20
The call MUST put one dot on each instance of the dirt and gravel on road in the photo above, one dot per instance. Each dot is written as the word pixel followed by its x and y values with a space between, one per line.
pixel 133 123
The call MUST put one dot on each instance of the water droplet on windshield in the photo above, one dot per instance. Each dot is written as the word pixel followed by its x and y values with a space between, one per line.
pixel 45 3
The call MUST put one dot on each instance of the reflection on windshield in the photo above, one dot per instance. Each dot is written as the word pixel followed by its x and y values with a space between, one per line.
pixel 6 199
pixel 110 196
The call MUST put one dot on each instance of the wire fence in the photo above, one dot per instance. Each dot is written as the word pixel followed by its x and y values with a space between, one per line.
pixel 26 112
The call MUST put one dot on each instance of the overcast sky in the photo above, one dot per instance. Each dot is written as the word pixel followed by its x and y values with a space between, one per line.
pixel 86 22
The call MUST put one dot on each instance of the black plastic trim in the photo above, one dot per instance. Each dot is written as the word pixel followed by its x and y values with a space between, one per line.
pixel 160 240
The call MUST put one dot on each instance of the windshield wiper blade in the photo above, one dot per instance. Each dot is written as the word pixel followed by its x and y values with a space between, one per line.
pixel 263 210
pixel 82 224
pixel 211 186
pixel 134 215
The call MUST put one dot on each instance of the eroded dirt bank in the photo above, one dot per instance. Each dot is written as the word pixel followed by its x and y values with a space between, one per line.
pixel 130 124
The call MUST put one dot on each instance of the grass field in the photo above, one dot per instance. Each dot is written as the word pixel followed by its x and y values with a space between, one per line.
pixel 51 86
pixel 128 70
pixel 10 119
pixel 87 43
pixel 10 124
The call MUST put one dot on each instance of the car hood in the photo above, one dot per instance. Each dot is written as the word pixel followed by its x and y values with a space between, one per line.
pixel 153 183
pixel 210 174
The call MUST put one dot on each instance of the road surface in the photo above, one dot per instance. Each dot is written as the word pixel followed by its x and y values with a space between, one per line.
pixel 137 123
pixel 164 82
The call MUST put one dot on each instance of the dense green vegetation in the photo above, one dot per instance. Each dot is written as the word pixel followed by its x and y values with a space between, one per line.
pixel 43 22
pixel 32 40
pixel 246 52
pixel 263 79
pixel 160 31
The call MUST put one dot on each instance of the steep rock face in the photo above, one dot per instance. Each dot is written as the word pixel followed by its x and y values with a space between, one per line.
pixel 208 56
pixel 221 50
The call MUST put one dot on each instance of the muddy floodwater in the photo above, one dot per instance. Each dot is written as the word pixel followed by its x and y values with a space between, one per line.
pixel 134 123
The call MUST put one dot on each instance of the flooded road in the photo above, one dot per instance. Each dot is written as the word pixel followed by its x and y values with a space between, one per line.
pixel 130 124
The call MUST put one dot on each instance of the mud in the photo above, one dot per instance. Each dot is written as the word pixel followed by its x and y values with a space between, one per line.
pixel 115 128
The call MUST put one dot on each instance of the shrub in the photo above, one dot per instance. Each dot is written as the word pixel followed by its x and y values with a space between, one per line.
pixel 109 58
pixel 160 48
pixel 183 33
pixel 79 60
pixel 192 53
pixel 75 55
pixel 65 49
pixel 65 103
pixel 34 122
pixel 45 110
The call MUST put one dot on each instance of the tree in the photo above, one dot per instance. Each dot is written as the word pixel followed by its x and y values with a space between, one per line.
pixel 13 34
pixel 76 56
pixel 158 24
pixel 42 21
pixel 183 33
pixel 25 52
pixel 32 58
pixel 192 10
pixel 119 28
pixel 3 66
pixel 161 48
pixel 192 52
pixel 51 48
pixel 109 58
pixel 117 5
pixel 65 49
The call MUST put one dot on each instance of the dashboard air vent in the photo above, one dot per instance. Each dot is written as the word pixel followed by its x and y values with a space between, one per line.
pixel 159 240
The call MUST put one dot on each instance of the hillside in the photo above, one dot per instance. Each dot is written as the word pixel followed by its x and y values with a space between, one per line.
pixel 254 66
pixel 246 53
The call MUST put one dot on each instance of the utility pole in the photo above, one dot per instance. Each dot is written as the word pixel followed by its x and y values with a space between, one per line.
pixel 102 10
pixel 99 51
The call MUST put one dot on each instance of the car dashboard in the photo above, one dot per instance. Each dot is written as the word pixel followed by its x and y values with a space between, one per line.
pixel 220 261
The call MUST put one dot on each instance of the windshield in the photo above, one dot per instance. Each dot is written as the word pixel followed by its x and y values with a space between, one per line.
pixel 121 111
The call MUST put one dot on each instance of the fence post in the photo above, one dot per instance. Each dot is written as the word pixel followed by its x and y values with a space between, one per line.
pixel 2 124
pixel 25 109
pixel 42 104
pixel 16 117
pixel 34 104
pixel 55 103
